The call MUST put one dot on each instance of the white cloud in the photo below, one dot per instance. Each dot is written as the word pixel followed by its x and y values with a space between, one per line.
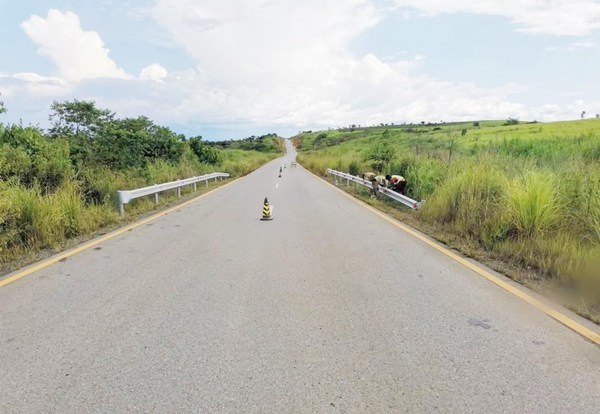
pixel 154 72
pixel 32 84
pixel 280 64
pixel 573 47
pixel 289 63
pixel 77 54
pixel 555 17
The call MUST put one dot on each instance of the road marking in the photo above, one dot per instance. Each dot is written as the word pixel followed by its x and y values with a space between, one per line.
pixel 276 186
pixel 102 239
pixel 553 313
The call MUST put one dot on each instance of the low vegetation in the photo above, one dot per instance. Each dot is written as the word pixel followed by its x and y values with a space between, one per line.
pixel 61 184
pixel 525 193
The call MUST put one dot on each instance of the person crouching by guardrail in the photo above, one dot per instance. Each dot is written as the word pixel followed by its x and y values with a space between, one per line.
pixel 381 180
pixel 369 176
pixel 378 181
pixel 397 183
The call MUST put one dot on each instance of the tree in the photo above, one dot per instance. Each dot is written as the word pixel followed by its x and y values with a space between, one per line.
pixel 80 122
pixel 380 156
pixel 131 142
pixel 29 157
pixel 2 107
pixel 582 114
pixel 71 118
pixel 205 153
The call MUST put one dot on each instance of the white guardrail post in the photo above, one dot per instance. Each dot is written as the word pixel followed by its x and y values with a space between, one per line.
pixel 125 196
pixel 407 201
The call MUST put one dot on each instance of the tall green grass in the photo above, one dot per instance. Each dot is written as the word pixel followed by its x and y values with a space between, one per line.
pixel 33 218
pixel 533 205
pixel 529 194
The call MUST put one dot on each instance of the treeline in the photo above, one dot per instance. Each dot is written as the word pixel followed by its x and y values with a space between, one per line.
pixel 82 137
pixel 62 182
pixel 263 143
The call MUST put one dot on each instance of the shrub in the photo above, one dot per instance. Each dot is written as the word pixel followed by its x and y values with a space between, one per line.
pixel 471 198
pixel 49 164
pixel 354 168
pixel 424 175
pixel 70 209
pixel 532 205
pixel 380 155
pixel 14 163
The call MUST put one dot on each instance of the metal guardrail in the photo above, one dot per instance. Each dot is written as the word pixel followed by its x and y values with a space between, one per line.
pixel 407 201
pixel 125 196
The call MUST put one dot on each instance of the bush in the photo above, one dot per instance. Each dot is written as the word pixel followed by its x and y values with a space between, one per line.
pixel 380 155
pixel 533 206
pixel 48 161
pixel 471 199
pixel 14 163
pixel 424 175
pixel 354 168
pixel 205 153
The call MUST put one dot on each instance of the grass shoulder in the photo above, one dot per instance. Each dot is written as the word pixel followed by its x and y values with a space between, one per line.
pixel 525 198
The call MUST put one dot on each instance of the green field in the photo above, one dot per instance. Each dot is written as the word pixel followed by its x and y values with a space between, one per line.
pixel 528 194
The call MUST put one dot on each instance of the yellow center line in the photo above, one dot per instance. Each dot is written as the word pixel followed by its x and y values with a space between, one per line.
pixel 553 313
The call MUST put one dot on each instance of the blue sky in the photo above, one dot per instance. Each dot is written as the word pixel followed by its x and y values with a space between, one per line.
pixel 230 69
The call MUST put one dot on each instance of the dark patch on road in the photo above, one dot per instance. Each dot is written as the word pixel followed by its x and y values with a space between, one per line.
pixel 64 259
pixel 177 225
pixel 9 340
pixel 538 342
pixel 98 248
pixel 481 323
pixel 420 275
pixel 130 230
pixel 150 224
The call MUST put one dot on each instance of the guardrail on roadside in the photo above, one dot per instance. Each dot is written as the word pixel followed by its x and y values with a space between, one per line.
pixel 125 196
pixel 407 201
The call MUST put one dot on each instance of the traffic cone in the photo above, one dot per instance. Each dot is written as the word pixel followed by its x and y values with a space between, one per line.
pixel 266 211
pixel 280 170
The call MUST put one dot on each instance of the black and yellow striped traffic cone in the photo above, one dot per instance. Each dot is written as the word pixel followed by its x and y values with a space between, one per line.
pixel 280 171
pixel 266 211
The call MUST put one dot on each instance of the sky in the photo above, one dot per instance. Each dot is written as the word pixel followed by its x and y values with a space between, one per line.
pixel 233 68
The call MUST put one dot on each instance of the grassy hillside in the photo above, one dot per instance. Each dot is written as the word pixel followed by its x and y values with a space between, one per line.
pixel 61 184
pixel 528 194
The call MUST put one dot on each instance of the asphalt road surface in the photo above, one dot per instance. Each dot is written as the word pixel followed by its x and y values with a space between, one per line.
pixel 327 308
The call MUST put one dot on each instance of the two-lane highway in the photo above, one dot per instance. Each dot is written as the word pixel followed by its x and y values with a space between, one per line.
pixel 327 308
